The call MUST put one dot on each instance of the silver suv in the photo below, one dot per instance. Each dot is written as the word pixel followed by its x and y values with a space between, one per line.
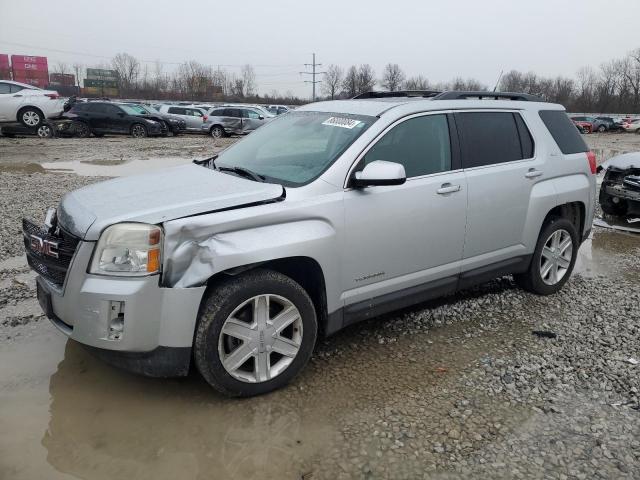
pixel 334 213
pixel 232 119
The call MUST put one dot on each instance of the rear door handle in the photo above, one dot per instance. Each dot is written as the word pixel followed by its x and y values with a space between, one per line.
pixel 447 188
pixel 533 173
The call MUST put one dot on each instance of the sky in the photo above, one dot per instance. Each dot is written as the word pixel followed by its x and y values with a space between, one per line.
pixel 438 39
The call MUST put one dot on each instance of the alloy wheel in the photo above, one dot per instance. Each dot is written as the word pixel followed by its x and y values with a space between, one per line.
pixel 260 338
pixel 556 257
pixel 138 131
pixel 31 118
pixel 44 131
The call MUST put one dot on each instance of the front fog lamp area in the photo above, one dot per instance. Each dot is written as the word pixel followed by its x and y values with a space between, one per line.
pixel 128 249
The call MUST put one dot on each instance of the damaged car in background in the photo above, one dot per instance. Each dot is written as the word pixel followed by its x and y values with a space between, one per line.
pixel 620 190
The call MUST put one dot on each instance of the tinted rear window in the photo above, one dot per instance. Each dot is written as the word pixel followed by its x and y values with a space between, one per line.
pixel 563 131
pixel 488 138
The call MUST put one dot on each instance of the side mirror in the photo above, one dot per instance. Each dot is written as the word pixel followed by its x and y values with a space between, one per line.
pixel 121 114
pixel 260 117
pixel 378 173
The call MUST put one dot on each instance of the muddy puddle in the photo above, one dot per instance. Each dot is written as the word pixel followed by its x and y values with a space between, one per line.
pixel 65 414
pixel 115 168
pixel 610 253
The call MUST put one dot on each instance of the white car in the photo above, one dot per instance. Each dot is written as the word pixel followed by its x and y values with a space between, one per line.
pixel 632 126
pixel 27 104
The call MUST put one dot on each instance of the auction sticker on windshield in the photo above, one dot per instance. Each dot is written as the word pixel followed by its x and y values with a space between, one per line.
pixel 342 122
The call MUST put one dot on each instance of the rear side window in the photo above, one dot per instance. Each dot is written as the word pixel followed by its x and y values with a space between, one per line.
pixel 177 111
pixel 217 113
pixel 489 138
pixel 563 131
pixel 526 142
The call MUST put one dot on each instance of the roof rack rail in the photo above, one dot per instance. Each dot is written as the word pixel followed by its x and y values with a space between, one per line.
pixel 460 95
pixel 398 93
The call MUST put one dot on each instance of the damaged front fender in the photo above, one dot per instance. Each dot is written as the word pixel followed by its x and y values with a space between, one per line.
pixel 196 248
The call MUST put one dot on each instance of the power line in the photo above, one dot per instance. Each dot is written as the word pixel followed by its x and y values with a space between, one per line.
pixel 313 72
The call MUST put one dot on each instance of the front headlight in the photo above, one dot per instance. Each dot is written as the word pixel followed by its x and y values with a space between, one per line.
pixel 128 249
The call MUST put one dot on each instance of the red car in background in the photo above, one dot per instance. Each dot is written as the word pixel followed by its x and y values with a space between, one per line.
pixel 584 127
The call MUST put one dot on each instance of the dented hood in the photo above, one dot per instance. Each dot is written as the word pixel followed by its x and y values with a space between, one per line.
pixel 158 197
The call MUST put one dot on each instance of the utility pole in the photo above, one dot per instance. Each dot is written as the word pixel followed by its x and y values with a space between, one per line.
pixel 313 74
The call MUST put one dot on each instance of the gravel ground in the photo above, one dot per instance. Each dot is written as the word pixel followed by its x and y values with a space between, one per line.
pixel 458 388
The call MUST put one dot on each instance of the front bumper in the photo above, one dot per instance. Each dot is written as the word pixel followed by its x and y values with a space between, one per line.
pixel 131 321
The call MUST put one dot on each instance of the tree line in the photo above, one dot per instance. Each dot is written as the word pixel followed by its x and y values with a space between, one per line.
pixel 614 87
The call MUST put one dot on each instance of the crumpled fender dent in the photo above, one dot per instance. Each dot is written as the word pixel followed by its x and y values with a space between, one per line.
pixel 195 250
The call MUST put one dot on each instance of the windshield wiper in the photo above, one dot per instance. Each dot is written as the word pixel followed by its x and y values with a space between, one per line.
pixel 244 172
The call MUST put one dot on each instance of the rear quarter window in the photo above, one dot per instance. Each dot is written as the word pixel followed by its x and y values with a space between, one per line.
pixel 563 131
pixel 490 138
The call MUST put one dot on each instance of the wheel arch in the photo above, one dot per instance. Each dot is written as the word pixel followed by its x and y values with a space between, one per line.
pixel 34 107
pixel 306 271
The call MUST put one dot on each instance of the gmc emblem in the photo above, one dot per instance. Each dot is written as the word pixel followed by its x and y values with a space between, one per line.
pixel 44 247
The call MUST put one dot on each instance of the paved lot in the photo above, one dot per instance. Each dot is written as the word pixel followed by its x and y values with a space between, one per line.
pixel 458 388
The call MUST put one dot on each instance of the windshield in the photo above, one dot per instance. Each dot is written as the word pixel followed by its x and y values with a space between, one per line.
pixel 295 149
pixel 140 109
pixel 130 110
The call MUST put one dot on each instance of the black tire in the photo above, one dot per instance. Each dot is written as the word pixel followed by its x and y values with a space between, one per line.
pixel 81 130
pixel 612 208
pixel 217 306
pixel 30 117
pixel 217 131
pixel 531 280
pixel 139 131
pixel 602 129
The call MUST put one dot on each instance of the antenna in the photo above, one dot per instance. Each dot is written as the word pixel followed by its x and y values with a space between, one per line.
pixel 498 82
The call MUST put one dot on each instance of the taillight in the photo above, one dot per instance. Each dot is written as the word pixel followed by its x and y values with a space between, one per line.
pixel 204 118
pixel 592 162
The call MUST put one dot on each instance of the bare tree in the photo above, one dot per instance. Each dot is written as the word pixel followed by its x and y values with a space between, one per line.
pixel 417 83
pixel 332 80
pixel 392 77
pixel 249 80
pixel 366 78
pixel 61 68
pixel 350 82
pixel 128 70
pixel 78 69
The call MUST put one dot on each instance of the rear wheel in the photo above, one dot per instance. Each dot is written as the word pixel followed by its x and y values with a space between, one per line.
pixel 602 129
pixel 30 117
pixel 553 259
pixel 255 333
pixel 138 130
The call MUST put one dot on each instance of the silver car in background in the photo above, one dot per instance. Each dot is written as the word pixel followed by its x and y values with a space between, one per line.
pixel 194 117
pixel 234 120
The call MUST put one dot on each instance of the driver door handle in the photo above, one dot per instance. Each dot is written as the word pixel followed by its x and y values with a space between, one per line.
pixel 17 95
pixel 533 173
pixel 447 188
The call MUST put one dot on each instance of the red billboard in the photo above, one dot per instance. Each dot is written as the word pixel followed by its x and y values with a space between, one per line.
pixel 5 69
pixel 22 59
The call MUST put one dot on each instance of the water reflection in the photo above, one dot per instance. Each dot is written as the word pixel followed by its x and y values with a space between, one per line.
pixel 610 253
pixel 109 424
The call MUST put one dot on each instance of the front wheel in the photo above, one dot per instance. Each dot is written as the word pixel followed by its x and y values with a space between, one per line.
pixel 255 333
pixel 138 131
pixel 45 131
pixel 217 131
pixel 81 129
pixel 553 259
